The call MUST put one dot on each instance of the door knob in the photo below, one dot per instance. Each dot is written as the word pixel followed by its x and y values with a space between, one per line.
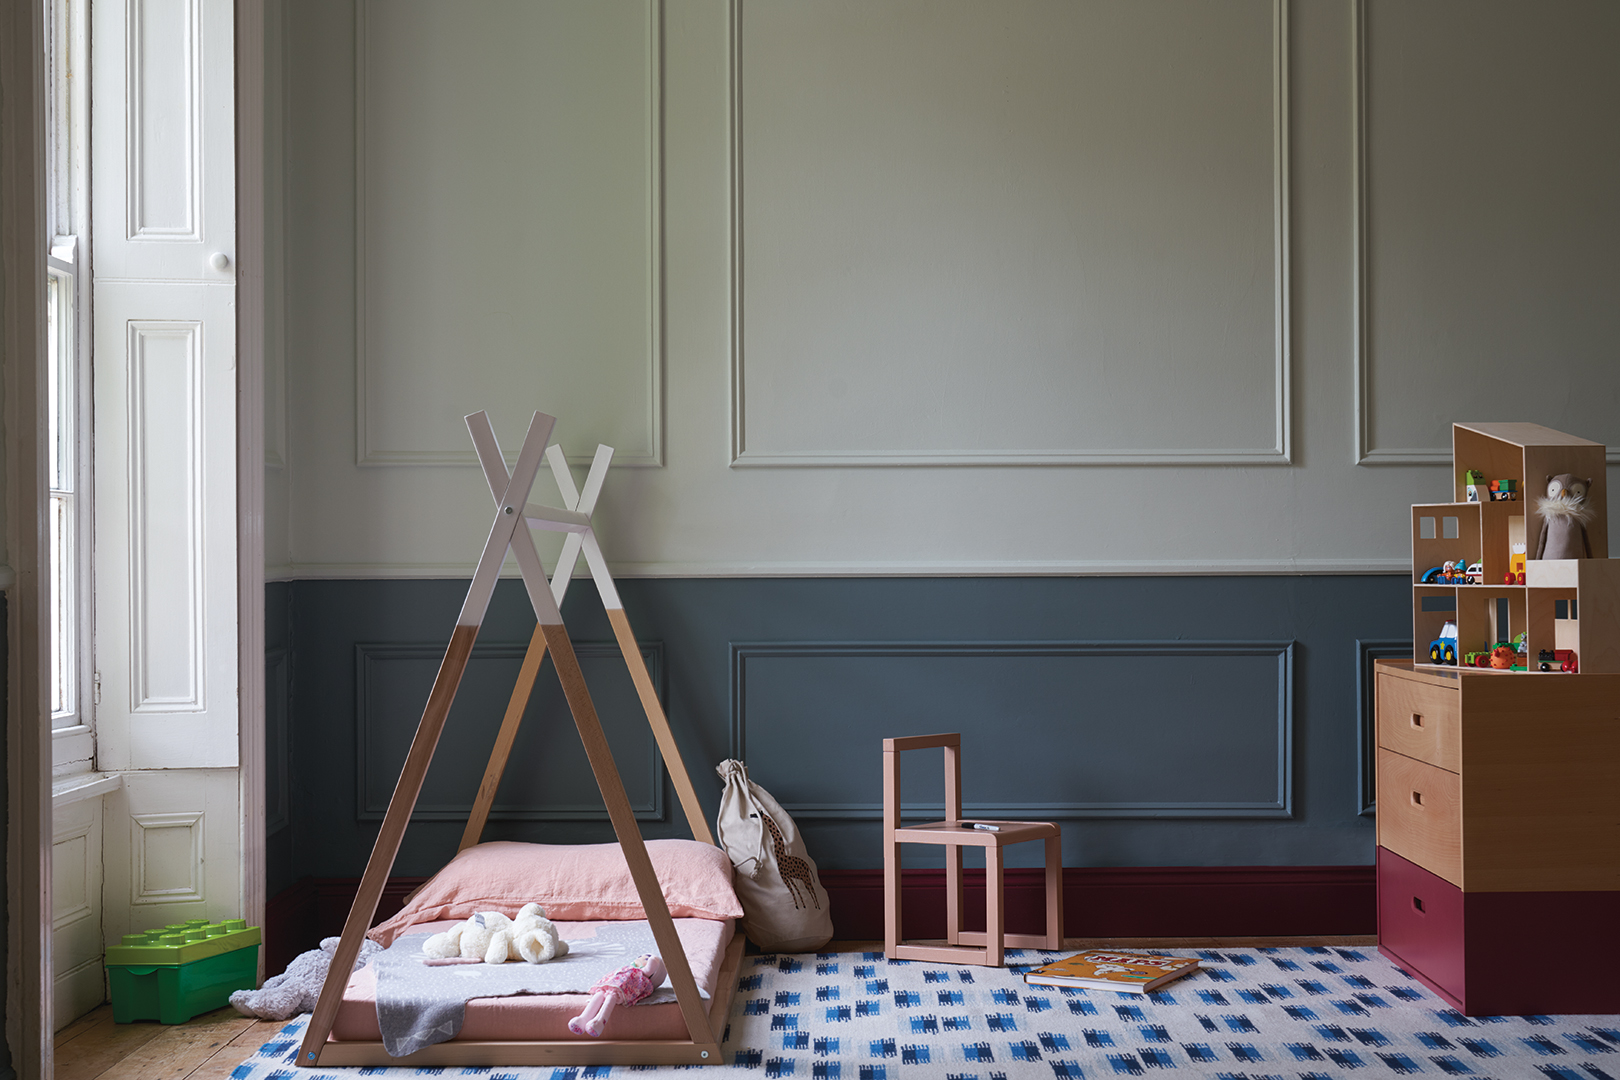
pixel 219 260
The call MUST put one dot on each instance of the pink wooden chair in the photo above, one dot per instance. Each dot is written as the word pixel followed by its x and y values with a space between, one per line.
pixel 962 946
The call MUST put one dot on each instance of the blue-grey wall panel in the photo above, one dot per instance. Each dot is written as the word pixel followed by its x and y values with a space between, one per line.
pixel 1250 752
pixel 1071 729
pixel 547 778
pixel 280 748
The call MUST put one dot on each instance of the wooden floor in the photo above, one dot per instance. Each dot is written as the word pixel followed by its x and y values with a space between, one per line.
pixel 211 1045
pixel 207 1047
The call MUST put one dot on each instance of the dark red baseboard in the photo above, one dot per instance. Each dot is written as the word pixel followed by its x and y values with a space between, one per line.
pixel 1180 901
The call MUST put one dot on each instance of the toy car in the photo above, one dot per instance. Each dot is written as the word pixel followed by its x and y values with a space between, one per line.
pixel 1557 660
pixel 1475 574
pixel 1443 649
pixel 1477 659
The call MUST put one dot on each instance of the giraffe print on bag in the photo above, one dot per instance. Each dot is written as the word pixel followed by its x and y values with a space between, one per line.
pixel 793 869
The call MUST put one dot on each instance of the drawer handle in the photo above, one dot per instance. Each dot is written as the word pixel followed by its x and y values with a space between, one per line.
pixel 1417 719
pixel 1418 904
pixel 1417 798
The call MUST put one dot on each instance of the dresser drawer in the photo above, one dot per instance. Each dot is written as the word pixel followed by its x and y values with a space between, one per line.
pixel 1420 814
pixel 1420 920
pixel 1420 721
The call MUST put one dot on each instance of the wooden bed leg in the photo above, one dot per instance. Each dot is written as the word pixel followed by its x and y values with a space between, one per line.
pixel 503 741
pixel 381 862
pixel 629 834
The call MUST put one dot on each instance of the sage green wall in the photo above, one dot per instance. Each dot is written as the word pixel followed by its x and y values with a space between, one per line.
pixel 928 286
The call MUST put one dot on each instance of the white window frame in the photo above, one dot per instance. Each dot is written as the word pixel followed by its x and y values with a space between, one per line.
pixel 67 206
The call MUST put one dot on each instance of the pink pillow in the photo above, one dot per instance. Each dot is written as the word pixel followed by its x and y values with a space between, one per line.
pixel 573 882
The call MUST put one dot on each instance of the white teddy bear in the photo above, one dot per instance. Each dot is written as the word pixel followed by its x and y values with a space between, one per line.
pixel 493 938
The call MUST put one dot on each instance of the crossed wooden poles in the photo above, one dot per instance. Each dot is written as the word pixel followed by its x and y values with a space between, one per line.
pixel 514 516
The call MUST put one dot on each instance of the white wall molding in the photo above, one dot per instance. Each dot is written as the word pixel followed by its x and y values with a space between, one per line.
pixel 1280 452
pixel 369 450
pixel 167 866
pixel 1362 392
pixel 1364 399
pixel 365 571
pixel 147 176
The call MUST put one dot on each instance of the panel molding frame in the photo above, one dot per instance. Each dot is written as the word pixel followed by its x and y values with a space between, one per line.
pixel 1279 453
pixel 1365 453
pixel 1368 650
pixel 369 808
pixel 369 455
pixel 86 909
pixel 134 111
pixel 1282 807
pixel 140 699
pixel 139 894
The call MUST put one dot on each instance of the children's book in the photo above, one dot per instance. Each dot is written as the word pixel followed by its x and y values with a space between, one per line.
pixel 1103 969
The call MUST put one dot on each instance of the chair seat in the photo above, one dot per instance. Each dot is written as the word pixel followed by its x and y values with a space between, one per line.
pixel 961 833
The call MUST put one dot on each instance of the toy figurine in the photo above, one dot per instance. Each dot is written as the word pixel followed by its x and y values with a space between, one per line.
pixel 1502 657
pixel 626 986
pixel 1564 516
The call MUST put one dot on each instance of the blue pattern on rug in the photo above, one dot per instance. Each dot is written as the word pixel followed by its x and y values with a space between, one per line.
pixel 1248 1014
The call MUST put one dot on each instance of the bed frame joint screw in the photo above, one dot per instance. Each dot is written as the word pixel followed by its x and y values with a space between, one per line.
pixel 509 510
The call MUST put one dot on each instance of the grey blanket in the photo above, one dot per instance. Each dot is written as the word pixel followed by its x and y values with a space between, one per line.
pixel 418 1005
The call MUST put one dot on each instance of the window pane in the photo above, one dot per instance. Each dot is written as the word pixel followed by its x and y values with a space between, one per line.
pixel 63 705
pixel 53 349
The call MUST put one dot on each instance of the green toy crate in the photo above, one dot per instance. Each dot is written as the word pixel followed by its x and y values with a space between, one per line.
pixel 182 970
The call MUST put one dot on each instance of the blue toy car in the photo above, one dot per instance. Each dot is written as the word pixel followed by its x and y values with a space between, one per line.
pixel 1443 649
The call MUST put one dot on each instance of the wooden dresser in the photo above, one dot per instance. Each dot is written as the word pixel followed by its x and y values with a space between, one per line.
pixel 1499 836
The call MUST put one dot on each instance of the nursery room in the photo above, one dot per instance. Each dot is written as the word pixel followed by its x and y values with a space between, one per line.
pixel 536 532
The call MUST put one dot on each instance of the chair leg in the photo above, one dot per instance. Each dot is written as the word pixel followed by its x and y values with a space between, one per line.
pixel 1054 892
pixel 995 921
pixel 953 894
pixel 891 900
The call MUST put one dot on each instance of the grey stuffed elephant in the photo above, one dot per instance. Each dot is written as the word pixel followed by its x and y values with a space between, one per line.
pixel 295 990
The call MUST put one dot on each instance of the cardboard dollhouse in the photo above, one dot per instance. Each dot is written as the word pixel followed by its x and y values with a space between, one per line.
pixel 1563 615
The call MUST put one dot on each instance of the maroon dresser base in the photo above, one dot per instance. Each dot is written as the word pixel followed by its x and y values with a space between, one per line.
pixel 1501 954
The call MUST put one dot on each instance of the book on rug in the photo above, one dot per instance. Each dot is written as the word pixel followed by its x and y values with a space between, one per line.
pixel 1126 972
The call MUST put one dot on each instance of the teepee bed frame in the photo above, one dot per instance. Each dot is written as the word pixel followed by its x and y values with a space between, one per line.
pixel 514 516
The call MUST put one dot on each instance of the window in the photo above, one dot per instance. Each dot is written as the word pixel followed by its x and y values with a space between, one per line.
pixel 67 350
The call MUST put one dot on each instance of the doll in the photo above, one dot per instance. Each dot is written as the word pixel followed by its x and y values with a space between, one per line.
pixel 1564 517
pixel 626 986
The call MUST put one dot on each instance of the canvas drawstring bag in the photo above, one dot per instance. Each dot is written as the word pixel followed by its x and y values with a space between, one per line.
pixel 784 906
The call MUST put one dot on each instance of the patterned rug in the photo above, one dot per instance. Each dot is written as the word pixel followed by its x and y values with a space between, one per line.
pixel 1248 1014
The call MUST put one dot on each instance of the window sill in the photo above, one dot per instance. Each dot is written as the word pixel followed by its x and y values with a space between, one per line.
pixel 91 785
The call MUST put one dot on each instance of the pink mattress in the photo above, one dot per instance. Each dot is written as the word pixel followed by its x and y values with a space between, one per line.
pixel 544 1017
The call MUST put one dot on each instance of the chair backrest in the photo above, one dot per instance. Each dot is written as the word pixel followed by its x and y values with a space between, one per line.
pixel 892 749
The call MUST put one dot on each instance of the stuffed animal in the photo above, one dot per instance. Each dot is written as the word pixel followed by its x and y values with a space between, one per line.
pixel 535 938
pixel 1564 516
pixel 295 990
pixel 626 986
pixel 493 938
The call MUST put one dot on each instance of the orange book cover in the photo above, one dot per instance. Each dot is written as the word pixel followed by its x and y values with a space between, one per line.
pixel 1109 969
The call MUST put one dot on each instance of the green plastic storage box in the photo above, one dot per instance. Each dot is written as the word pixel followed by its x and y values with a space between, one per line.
pixel 182 970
